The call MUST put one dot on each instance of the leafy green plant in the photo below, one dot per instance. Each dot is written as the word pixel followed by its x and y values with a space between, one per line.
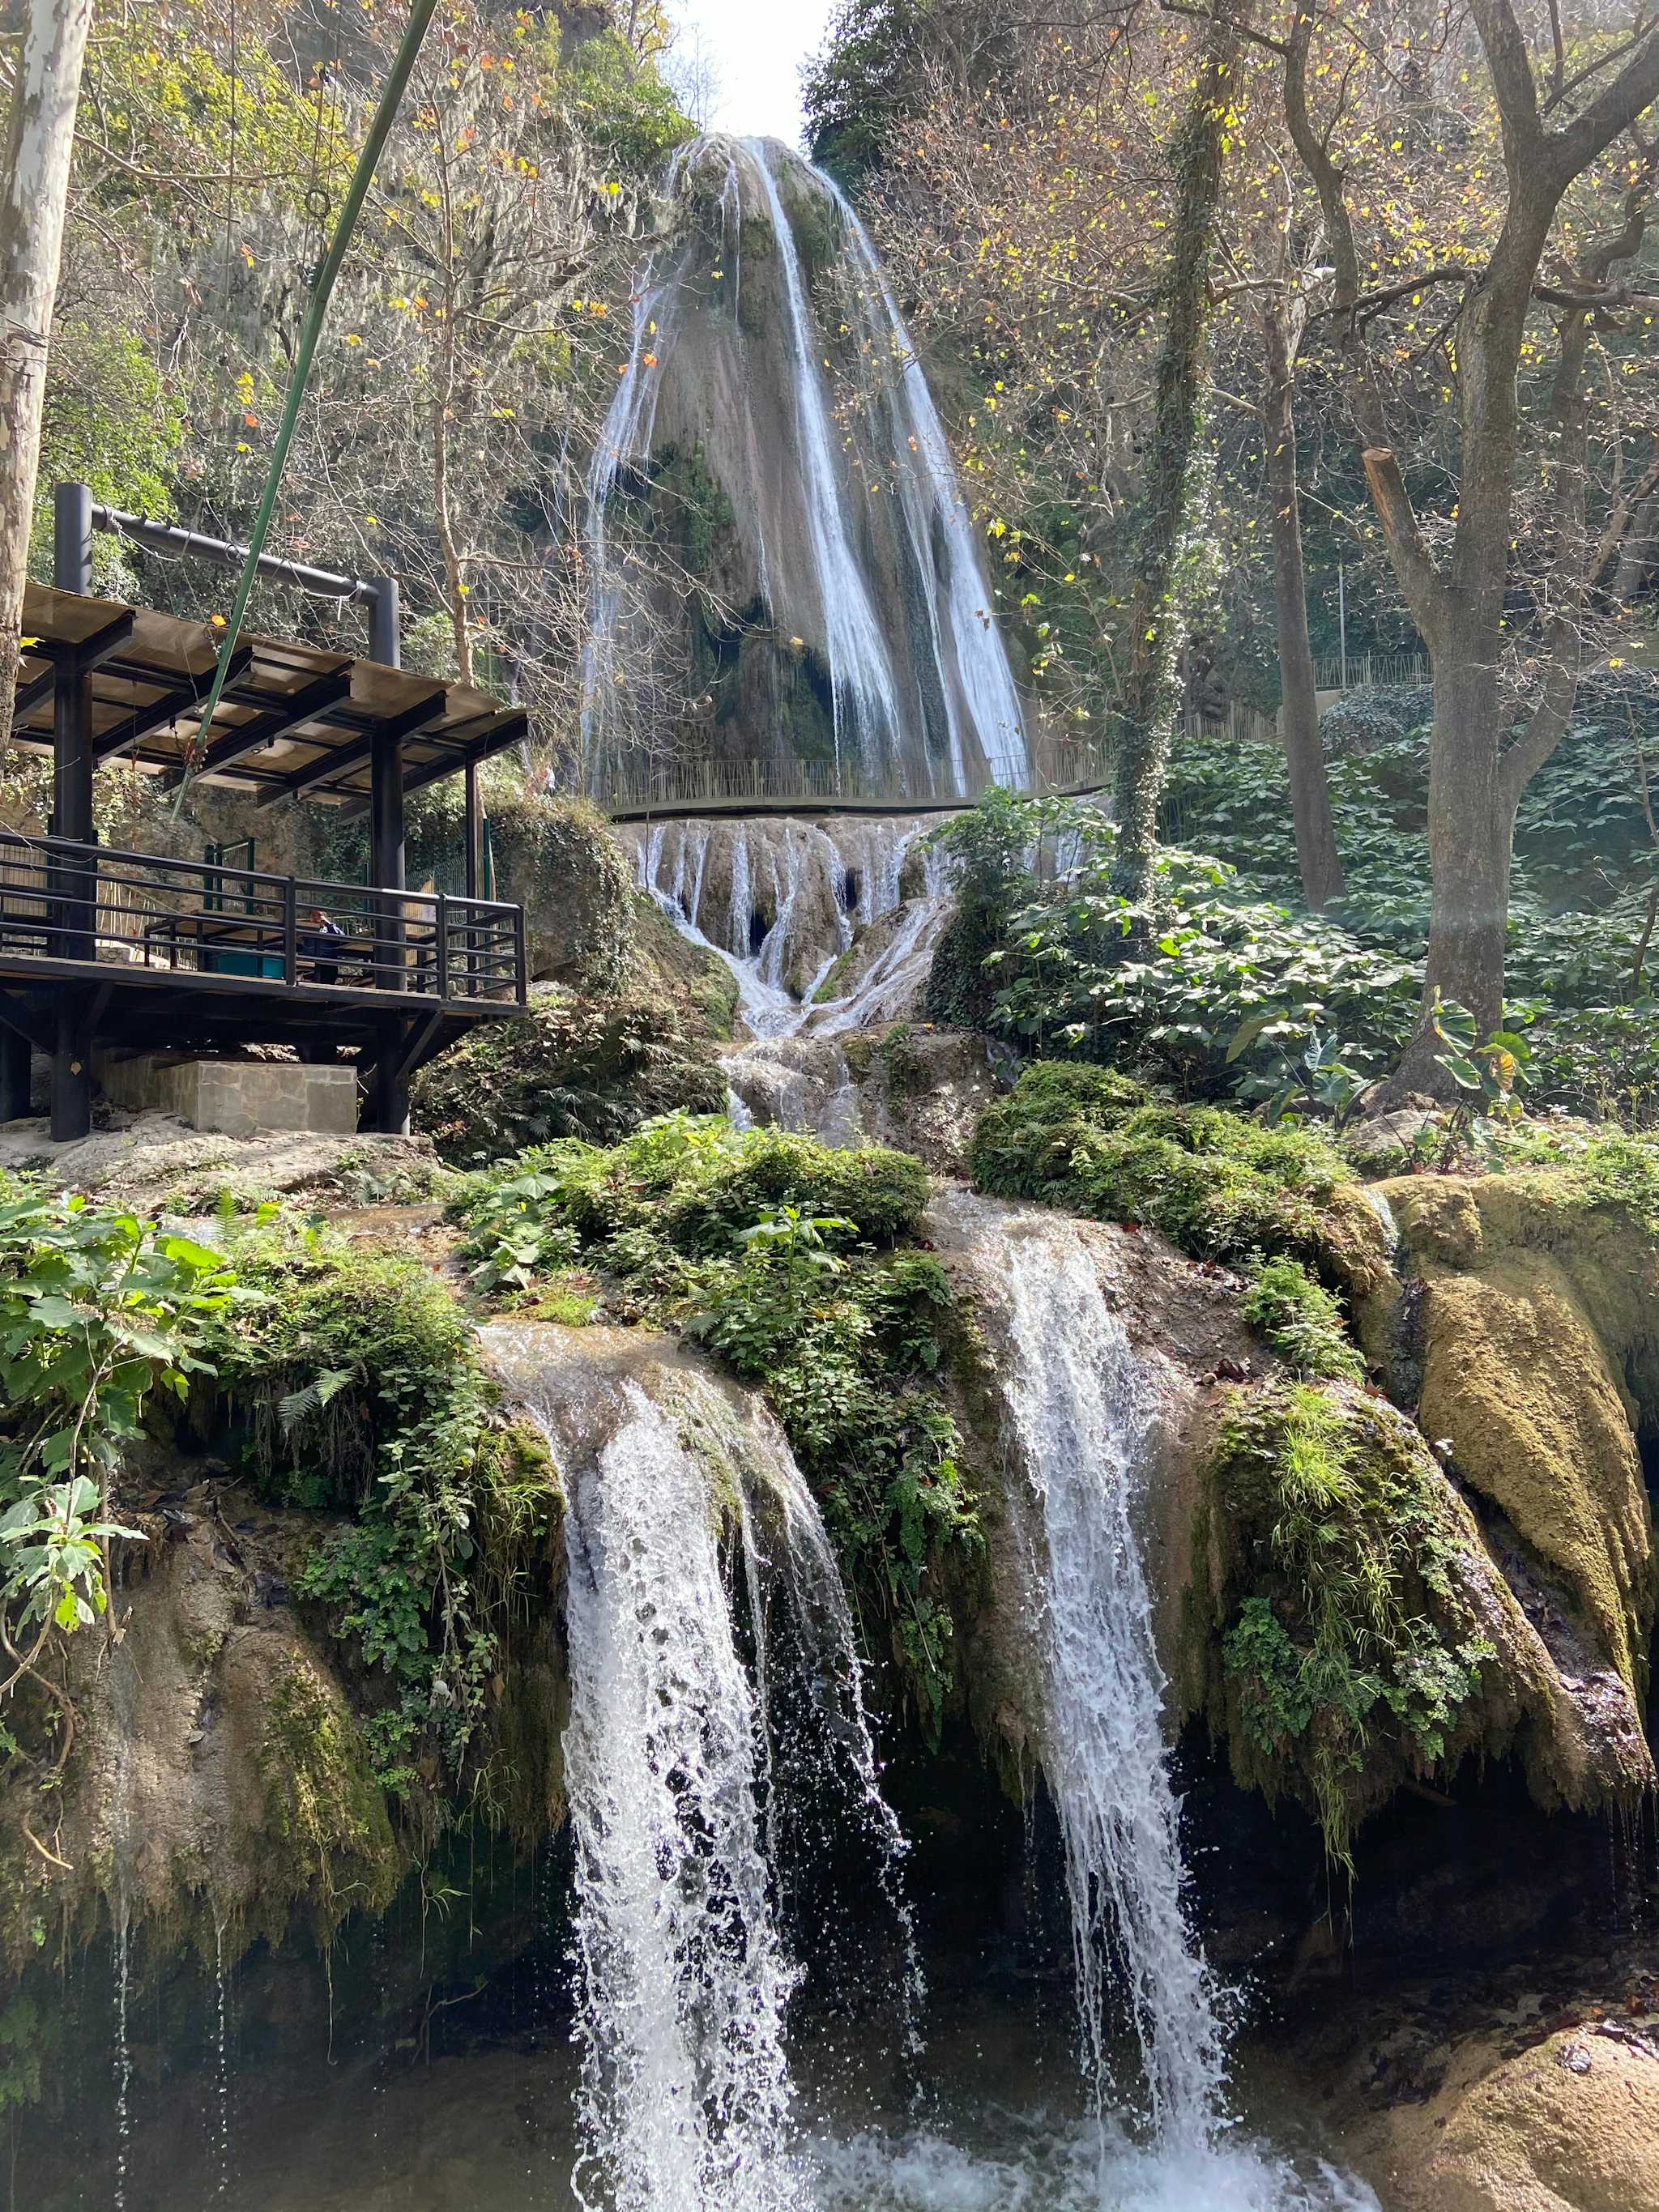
pixel 360 1387
pixel 1216 1183
pixel 99 1309
pixel 1301 1320
pixel 785 1259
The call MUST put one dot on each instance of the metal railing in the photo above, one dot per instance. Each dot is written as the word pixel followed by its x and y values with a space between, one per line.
pixel 1332 672
pixel 64 901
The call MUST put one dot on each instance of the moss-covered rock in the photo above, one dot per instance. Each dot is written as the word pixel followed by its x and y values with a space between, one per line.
pixel 1219 1185
pixel 558 859
pixel 1348 1630
pixel 565 1067
pixel 327 1833
pixel 1532 1338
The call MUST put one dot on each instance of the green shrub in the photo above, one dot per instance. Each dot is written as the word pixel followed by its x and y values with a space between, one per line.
pixel 1210 990
pixel 1217 1184
pixel 1301 1320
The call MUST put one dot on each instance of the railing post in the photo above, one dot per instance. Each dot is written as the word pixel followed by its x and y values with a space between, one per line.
pixel 519 962
pixel 443 945
pixel 290 933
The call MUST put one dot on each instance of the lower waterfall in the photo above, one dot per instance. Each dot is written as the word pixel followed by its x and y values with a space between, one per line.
pixel 1079 1404
pixel 682 1975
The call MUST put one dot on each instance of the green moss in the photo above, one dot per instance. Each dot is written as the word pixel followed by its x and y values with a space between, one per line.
pixel 835 977
pixel 1329 1552
pixel 1217 1184
pixel 327 1825
pixel 904 1071
pixel 700 510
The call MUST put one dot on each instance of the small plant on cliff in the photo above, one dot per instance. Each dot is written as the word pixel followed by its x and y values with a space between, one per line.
pixel 98 1310
pixel 1301 1320
pixel 1346 1627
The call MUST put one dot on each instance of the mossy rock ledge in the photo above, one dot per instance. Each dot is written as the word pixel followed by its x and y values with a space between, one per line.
pixel 1528 1328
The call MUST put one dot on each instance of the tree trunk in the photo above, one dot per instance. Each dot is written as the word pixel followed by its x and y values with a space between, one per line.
pixel 1299 714
pixel 1152 689
pixel 39 141
pixel 1471 834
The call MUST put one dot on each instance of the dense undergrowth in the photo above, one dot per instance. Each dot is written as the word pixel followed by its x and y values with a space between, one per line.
pixel 566 1066
pixel 1227 987
pixel 1217 1184
pixel 794 1265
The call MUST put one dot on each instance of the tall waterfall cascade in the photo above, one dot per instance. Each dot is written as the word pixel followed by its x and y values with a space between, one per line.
pixel 773 435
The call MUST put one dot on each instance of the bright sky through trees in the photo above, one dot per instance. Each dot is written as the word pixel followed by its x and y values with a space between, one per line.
pixel 754 49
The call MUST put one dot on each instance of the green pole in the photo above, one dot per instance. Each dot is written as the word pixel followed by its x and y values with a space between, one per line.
pixel 386 115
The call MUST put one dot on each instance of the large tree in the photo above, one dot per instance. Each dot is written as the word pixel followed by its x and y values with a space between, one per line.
pixel 46 90
pixel 1504 608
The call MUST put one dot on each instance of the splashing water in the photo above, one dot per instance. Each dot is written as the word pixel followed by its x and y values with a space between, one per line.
pixel 1080 1404
pixel 1080 1411
pixel 682 1977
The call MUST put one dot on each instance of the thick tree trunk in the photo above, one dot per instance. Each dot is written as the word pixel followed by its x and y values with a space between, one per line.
pixel 1299 714
pixel 1152 689
pixel 39 140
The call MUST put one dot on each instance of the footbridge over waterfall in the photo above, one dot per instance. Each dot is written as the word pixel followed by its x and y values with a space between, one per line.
pixel 807 788
pixel 1057 768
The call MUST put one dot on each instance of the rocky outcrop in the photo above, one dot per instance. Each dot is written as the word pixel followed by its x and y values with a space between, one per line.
pixel 1521 1329
pixel 218 1778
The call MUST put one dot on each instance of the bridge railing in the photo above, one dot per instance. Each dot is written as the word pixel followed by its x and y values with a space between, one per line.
pixel 668 786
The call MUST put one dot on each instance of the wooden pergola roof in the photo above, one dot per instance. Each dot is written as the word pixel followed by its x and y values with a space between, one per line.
pixel 294 721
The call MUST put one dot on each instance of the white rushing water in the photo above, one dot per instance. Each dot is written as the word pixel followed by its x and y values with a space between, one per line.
pixel 778 900
pixel 856 531
pixel 682 1976
pixel 1080 1404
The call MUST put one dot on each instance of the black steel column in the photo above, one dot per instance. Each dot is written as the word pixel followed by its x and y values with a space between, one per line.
pixel 474 834
pixel 71 538
pixel 14 1057
pixel 386 866
pixel 76 888
pixel 389 1102
pixel 385 627
pixel 71 1068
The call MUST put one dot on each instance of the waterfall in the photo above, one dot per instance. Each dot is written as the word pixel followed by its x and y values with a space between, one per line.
pixel 682 1979
pixel 851 620
pixel 1079 1406
pixel 867 701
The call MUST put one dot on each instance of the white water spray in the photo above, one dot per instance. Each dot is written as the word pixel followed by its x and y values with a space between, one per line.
pixel 682 1977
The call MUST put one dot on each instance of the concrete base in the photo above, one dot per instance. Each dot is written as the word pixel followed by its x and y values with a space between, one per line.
pixel 234 1096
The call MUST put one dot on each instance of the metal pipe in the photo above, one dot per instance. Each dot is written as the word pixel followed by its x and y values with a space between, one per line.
pixel 163 537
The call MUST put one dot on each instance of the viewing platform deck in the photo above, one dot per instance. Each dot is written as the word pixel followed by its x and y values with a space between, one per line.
pixel 103 951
